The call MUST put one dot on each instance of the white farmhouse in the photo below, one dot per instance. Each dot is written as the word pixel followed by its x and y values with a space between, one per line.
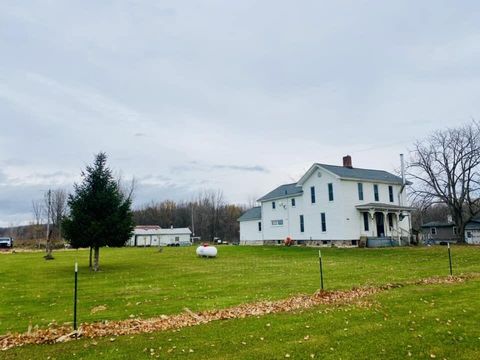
pixel 342 205
pixel 153 235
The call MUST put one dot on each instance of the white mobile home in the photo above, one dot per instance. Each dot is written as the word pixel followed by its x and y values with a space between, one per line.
pixel 153 235
pixel 331 204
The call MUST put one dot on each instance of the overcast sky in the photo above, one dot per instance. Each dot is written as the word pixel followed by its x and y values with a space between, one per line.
pixel 240 96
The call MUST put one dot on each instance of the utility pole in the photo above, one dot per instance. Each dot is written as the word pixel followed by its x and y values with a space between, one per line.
pixel 48 249
pixel 193 223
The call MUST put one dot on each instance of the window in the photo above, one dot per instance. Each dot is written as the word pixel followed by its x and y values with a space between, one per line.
pixel 469 234
pixel 390 193
pixel 390 220
pixel 312 194
pixel 375 192
pixel 330 192
pixel 277 222
pixel 365 221
pixel 324 222
pixel 455 231
pixel 433 231
pixel 273 204
pixel 177 238
pixel 293 202
pixel 259 226
pixel 360 191
pixel 302 225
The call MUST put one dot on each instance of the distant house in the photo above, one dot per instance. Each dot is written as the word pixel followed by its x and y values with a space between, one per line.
pixel 439 231
pixel 472 231
pixel 332 205
pixel 154 235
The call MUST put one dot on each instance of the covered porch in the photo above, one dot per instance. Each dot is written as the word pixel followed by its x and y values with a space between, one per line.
pixel 385 223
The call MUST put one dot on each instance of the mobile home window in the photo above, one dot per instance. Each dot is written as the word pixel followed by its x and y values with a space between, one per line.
pixel 375 192
pixel 324 222
pixel 273 204
pixel 455 232
pixel 390 193
pixel 293 202
pixel 360 191
pixel 365 221
pixel 302 225
pixel 312 194
pixel 433 231
pixel 330 192
pixel 277 222
pixel 469 234
pixel 259 226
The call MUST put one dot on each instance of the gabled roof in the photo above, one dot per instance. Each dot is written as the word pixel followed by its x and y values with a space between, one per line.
pixel 254 213
pixel 283 191
pixel 362 174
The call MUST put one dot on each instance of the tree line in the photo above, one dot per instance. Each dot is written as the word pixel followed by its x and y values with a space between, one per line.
pixel 208 216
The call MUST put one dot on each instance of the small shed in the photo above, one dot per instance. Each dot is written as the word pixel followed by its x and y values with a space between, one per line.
pixel 438 231
pixel 154 235
pixel 472 231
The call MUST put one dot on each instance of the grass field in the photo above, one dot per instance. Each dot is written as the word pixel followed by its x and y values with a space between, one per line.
pixel 146 283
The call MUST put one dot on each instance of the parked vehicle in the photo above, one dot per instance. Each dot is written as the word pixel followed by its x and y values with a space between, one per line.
pixel 6 242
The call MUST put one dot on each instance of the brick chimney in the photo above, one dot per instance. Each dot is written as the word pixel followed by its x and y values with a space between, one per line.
pixel 347 161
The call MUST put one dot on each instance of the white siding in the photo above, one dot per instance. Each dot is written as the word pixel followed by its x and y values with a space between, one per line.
pixel 249 232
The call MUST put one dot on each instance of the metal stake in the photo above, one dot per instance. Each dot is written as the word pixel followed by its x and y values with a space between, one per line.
pixel 450 259
pixel 75 299
pixel 321 269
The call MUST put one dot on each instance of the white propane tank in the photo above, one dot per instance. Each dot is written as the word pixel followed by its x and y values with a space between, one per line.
pixel 207 251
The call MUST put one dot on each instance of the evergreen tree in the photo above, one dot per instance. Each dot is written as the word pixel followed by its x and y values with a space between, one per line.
pixel 100 214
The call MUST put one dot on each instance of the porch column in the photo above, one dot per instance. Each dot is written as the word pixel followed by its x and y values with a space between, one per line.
pixel 385 223
pixel 373 223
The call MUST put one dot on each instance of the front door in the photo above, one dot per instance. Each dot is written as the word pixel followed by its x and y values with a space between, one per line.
pixel 380 220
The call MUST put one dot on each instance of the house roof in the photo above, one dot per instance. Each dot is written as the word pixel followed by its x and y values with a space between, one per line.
pixel 362 174
pixel 283 191
pixel 438 224
pixel 254 213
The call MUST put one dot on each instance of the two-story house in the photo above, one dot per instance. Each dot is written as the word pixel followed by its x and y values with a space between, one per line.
pixel 331 205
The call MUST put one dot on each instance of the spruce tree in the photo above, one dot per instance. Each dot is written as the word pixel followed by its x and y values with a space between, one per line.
pixel 100 214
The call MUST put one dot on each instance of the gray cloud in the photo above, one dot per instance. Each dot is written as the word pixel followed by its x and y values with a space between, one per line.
pixel 228 95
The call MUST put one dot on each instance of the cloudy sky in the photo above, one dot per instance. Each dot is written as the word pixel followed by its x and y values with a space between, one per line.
pixel 233 95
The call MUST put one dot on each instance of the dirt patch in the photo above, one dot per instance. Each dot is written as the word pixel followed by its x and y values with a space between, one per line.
pixel 189 318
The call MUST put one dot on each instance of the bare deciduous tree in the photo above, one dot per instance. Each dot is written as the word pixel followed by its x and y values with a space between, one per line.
pixel 445 168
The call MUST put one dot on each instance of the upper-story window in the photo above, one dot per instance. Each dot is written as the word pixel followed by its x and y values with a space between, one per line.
pixel 273 205
pixel 330 192
pixel 390 193
pixel 360 191
pixel 302 224
pixel 375 192
pixel 293 202
pixel 312 194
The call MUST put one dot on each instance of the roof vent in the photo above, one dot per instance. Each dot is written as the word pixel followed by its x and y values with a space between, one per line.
pixel 347 161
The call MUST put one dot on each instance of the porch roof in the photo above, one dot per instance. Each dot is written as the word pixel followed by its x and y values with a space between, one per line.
pixel 383 207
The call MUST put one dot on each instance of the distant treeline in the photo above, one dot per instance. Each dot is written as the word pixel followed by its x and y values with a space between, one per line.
pixel 208 216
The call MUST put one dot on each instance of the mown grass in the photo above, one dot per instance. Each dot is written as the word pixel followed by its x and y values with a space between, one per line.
pixel 416 321
pixel 145 283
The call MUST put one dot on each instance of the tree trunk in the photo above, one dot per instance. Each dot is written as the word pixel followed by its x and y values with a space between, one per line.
pixel 90 259
pixel 96 258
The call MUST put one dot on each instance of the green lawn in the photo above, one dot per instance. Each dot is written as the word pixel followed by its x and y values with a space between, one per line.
pixel 146 283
